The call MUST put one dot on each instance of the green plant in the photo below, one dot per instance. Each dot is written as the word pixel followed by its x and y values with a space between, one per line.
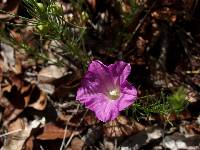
pixel 177 100
pixel 162 105
pixel 48 23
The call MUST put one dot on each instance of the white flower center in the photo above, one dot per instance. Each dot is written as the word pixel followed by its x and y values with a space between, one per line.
pixel 114 94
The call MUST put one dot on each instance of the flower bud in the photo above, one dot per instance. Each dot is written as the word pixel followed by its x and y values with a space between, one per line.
pixel 40 6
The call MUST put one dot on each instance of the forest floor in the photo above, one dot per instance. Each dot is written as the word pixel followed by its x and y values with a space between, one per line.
pixel 45 50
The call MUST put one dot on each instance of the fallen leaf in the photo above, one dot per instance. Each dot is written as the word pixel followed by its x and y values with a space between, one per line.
pixel 142 138
pixel 29 143
pixel 41 102
pixel 23 94
pixel 18 95
pixel 192 129
pixel 10 6
pixel 48 88
pixel 77 144
pixel 7 54
pixel 51 73
pixel 178 141
pixel 10 112
pixel 92 4
pixel 21 131
pixel 1 75
pixel 90 119
pixel 122 127
pixel 52 132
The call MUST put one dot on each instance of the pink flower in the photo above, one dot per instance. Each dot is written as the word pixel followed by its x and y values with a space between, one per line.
pixel 105 89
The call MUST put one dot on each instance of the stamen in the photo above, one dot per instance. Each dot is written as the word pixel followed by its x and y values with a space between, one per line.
pixel 114 94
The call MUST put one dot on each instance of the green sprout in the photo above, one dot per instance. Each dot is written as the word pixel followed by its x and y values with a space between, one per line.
pixel 177 100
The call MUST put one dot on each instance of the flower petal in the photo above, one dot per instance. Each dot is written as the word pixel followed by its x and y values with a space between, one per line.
pixel 107 111
pixel 94 101
pixel 104 108
pixel 101 72
pixel 128 95
pixel 97 66
pixel 120 71
pixel 90 85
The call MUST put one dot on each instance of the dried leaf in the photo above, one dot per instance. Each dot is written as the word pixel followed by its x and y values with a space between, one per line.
pixel 21 131
pixel 48 88
pixel 122 127
pixel 77 144
pixel 178 141
pixel 10 112
pixel 41 102
pixel 92 3
pixel 52 132
pixel 8 56
pixel 1 74
pixel 20 95
pixel 191 129
pixel 51 73
pixel 29 143
pixel 10 6
pixel 90 119
pixel 144 137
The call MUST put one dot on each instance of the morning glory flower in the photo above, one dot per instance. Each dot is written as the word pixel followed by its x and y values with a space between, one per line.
pixel 105 89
